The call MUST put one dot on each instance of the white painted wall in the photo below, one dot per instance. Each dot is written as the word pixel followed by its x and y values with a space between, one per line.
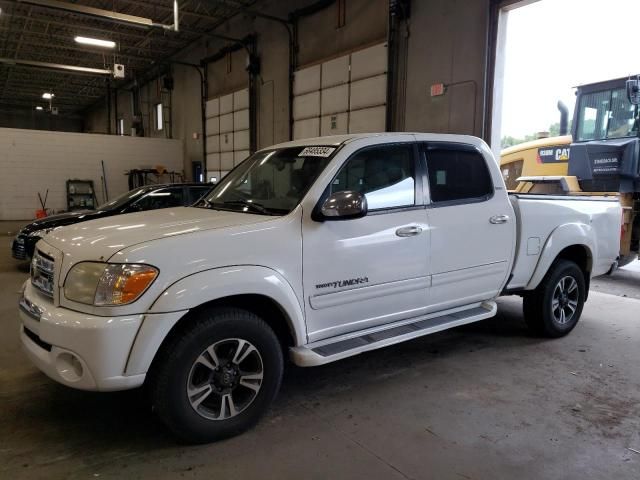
pixel 32 161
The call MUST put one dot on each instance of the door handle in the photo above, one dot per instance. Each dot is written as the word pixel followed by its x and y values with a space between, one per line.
pixel 409 231
pixel 497 219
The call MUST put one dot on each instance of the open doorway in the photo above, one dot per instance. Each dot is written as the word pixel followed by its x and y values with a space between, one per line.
pixel 545 48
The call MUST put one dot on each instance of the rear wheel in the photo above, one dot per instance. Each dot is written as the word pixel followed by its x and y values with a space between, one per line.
pixel 216 379
pixel 554 308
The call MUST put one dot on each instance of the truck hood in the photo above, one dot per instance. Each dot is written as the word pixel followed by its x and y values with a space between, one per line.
pixel 100 239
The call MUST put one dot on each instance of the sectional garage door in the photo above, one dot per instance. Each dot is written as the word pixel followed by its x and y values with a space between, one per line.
pixel 227 131
pixel 347 94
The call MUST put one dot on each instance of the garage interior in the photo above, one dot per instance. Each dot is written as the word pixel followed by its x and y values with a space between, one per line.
pixel 193 88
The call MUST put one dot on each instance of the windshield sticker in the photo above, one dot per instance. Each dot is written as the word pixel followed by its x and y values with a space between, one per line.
pixel 317 152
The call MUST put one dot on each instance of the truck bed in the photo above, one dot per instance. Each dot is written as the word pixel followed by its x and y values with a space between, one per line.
pixel 538 217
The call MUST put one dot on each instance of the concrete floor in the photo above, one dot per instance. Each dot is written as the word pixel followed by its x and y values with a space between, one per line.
pixel 486 401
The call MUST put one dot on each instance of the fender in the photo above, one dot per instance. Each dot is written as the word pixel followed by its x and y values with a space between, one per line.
pixel 560 238
pixel 202 287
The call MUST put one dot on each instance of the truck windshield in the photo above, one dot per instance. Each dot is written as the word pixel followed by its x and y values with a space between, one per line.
pixel 606 114
pixel 270 182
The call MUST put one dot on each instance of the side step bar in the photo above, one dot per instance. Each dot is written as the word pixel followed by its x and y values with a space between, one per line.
pixel 326 351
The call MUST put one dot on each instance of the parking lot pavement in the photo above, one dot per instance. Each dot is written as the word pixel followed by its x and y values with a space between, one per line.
pixel 484 401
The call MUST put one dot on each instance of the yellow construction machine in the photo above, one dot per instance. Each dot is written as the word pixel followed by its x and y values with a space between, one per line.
pixel 601 156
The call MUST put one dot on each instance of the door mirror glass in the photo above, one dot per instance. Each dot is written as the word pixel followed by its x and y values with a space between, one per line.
pixel 344 205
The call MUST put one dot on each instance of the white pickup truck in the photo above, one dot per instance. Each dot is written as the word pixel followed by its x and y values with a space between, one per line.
pixel 323 248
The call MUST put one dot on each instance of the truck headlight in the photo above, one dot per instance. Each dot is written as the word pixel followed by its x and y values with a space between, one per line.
pixel 104 284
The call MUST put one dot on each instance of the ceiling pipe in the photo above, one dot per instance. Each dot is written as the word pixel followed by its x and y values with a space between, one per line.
pixel 106 14
pixel 56 66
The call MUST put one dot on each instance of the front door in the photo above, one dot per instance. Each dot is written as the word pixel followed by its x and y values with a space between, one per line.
pixel 373 270
pixel 472 227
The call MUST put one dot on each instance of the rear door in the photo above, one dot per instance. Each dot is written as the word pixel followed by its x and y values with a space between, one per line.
pixel 472 229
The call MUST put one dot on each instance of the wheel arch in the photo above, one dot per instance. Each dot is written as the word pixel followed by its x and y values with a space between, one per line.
pixel 570 242
pixel 259 290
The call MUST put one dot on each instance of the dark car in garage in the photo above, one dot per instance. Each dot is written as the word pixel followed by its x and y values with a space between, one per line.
pixel 148 197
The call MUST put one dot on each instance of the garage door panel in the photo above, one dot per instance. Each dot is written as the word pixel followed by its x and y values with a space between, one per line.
pixel 241 140
pixel 335 72
pixel 212 108
pixel 241 99
pixel 306 80
pixel 369 62
pixel 226 123
pixel 368 120
pixel 226 104
pixel 226 161
pixel 241 120
pixel 239 156
pixel 213 126
pixel 369 92
pixel 213 161
pixel 306 106
pixel 306 128
pixel 226 142
pixel 213 144
pixel 336 124
pixel 335 99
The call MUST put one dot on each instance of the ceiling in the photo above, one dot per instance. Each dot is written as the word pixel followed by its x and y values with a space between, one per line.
pixel 36 33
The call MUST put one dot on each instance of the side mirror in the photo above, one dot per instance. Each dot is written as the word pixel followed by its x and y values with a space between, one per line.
pixel 633 91
pixel 345 205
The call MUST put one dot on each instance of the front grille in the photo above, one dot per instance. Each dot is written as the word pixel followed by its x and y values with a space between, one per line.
pixel 36 339
pixel 19 251
pixel 42 272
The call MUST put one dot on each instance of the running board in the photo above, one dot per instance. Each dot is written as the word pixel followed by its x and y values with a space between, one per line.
pixel 326 351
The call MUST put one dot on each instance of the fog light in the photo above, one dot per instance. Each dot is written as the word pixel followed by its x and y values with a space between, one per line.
pixel 69 367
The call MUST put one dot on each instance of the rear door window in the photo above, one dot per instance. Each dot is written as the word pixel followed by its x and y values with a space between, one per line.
pixel 457 175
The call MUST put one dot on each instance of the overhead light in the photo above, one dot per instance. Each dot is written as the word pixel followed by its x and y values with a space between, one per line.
pixel 96 42
pixel 39 108
pixel 48 96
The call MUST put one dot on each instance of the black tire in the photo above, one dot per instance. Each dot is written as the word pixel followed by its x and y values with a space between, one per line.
pixel 538 306
pixel 175 367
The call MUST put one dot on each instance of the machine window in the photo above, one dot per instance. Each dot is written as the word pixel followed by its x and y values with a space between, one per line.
pixel 384 174
pixel 457 175
pixel 606 114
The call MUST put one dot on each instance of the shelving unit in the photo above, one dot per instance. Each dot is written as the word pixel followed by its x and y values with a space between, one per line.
pixel 80 195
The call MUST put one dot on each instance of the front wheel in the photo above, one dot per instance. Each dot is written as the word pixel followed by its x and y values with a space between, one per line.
pixel 218 377
pixel 554 307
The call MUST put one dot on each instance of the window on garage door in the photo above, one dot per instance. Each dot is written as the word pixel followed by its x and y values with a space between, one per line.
pixel 227 128
pixel 346 94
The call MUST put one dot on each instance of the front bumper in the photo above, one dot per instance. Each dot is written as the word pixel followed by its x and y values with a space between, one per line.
pixel 76 349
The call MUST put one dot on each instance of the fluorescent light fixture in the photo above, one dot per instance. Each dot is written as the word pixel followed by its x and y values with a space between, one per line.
pixel 48 96
pixel 39 108
pixel 96 42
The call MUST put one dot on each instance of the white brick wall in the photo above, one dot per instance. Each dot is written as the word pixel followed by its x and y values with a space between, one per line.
pixel 32 161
